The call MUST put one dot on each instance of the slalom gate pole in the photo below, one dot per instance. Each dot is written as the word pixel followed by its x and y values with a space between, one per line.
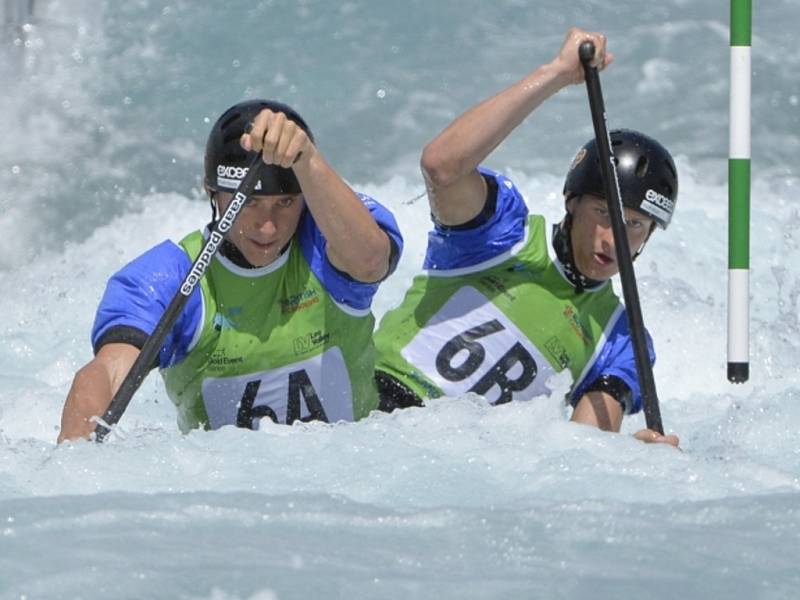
pixel 739 195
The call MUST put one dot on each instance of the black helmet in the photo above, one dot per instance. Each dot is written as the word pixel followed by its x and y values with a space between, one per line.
pixel 226 161
pixel 648 179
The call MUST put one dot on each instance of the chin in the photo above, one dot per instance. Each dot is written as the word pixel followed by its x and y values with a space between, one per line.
pixel 603 274
pixel 260 260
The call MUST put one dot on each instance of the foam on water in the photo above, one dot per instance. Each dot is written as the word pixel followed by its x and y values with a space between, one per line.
pixel 500 499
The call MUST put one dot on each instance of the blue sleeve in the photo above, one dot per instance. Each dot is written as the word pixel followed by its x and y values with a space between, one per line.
pixel 139 293
pixel 343 288
pixel 616 357
pixel 450 248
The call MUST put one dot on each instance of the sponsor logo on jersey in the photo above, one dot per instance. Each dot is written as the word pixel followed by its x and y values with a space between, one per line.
pixel 298 302
pixel 558 352
pixel 219 359
pixel 494 283
pixel 308 342
pixel 576 326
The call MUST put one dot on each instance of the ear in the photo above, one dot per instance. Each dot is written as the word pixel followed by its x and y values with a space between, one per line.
pixel 569 202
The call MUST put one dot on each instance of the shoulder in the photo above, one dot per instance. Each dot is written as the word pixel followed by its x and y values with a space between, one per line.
pixel 384 218
pixel 137 295
pixel 350 294
pixel 460 247
pixel 617 357
pixel 160 263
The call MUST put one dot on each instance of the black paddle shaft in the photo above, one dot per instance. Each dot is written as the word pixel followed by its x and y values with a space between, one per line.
pixel 627 276
pixel 152 346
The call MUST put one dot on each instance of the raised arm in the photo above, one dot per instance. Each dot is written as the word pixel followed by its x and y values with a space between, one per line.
pixel 356 244
pixel 449 163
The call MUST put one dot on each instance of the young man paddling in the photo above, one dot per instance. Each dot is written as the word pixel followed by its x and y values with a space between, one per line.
pixel 502 305
pixel 281 325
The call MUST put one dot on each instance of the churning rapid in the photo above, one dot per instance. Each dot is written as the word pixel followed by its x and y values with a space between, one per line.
pixel 105 111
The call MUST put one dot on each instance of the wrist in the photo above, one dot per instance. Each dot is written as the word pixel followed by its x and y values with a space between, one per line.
pixel 551 77
pixel 305 161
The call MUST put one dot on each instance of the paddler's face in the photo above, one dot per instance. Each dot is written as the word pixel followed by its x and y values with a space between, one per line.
pixel 264 226
pixel 592 239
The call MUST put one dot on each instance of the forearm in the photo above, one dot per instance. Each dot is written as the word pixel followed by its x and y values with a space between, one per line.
pixel 456 190
pixel 356 244
pixel 468 140
pixel 93 388
pixel 89 396
pixel 600 410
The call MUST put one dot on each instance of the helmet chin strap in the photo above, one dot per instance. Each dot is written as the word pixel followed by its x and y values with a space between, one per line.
pixel 562 244
pixel 644 243
pixel 212 199
pixel 227 248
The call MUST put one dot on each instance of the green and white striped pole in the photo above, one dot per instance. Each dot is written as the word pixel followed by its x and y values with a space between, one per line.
pixel 739 195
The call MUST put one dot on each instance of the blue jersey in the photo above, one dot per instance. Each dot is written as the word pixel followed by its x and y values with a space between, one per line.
pixel 137 295
pixel 484 252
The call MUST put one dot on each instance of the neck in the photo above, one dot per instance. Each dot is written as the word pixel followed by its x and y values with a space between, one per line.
pixel 229 250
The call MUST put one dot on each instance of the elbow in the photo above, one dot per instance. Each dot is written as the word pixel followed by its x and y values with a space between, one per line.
pixel 373 264
pixel 437 167
pixel 373 268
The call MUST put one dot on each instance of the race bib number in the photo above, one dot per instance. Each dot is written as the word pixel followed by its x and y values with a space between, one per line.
pixel 317 389
pixel 471 346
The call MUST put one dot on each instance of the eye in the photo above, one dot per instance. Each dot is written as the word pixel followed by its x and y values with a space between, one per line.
pixel 286 201
pixel 637 225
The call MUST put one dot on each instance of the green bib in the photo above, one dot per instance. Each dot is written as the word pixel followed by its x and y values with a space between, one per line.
pixel 272 343
pixel 500 331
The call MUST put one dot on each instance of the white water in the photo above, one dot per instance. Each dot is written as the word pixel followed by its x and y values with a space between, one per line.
pixel 456 500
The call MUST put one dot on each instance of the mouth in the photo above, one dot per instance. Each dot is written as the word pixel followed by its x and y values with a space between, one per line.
pixel 262 246
pixel 603 259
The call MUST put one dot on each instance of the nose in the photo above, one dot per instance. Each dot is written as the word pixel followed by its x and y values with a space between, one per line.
pixel 606 236
pixel 267 227
pixel 264 221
